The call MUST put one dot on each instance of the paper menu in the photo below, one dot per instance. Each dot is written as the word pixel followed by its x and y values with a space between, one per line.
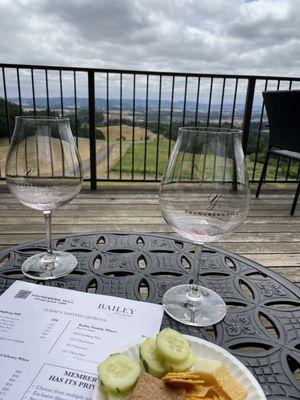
pixel 52 339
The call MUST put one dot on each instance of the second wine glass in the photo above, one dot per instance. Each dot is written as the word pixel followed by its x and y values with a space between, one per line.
pixel 44 172
pixel 204 195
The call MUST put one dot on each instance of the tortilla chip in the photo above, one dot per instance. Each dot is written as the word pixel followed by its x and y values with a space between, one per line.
pixel 179 380
pixel 215 383
pixel 186 377
pixel 198 390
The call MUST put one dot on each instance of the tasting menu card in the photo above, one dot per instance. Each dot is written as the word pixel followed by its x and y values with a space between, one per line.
pixel 52 339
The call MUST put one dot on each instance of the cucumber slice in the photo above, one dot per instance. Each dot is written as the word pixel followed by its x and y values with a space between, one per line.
pixel 118 373
pixel 115 396
pixel 150 359
pixel 172 346
pixel 184 366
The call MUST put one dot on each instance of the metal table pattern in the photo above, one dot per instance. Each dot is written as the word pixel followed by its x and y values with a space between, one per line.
pixel 261 328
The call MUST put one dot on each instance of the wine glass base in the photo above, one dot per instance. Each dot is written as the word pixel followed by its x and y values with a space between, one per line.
pixel 44 266
pixel 205 310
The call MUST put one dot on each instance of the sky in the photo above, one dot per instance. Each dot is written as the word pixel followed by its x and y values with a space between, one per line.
pixel 206 36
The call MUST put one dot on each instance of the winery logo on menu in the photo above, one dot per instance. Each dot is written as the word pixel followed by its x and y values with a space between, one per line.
pixel 115 309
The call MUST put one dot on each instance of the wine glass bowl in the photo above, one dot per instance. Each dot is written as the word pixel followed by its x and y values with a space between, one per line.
pixel 44 171
pixel 204 196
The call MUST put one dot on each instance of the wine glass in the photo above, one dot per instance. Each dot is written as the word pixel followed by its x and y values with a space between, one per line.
pixel 44 171
pixel 204 195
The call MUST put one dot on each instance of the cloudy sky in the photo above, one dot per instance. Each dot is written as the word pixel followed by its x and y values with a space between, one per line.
pixel 233 36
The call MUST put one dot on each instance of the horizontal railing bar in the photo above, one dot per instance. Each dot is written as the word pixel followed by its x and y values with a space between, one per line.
pixel 127 180
pixel 141 72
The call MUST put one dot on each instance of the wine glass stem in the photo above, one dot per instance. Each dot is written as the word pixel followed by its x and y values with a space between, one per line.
pixel 48 215
pixel 195 291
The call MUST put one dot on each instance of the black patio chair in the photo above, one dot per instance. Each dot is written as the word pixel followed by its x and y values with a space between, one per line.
pixel 283 109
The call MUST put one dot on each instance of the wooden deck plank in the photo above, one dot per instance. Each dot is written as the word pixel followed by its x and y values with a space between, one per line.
pixel 124 210
pixel 244 238
pixel 269 236
pixel 273 260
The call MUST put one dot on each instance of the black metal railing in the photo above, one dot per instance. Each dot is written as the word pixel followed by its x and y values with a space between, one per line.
pixel 125 122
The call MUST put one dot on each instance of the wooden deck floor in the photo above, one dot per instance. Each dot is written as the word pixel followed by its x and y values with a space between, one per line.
pixel 268 236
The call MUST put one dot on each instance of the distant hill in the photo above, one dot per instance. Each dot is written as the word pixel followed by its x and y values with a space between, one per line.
pixel 114 104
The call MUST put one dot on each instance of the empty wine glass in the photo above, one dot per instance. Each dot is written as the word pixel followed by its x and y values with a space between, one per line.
pixel 204 195
pixel 44 171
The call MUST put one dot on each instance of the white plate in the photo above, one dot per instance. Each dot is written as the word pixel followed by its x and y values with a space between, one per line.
pixel 205 349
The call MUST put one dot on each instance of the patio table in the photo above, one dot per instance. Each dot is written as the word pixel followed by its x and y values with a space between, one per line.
pixel 261 328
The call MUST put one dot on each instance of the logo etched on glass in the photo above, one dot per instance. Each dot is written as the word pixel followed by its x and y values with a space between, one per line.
pixel 213 200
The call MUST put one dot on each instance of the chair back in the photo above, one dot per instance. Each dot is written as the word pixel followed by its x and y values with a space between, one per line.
pixel 283 111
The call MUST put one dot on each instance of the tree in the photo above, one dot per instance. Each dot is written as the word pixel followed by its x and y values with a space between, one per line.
pixel 13 111
pixel 84 132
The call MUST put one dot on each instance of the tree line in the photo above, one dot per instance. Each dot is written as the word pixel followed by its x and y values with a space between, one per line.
pixel 79 126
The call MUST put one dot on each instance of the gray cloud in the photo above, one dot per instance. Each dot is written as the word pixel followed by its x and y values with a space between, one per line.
pixel 256 37
pixel 99 21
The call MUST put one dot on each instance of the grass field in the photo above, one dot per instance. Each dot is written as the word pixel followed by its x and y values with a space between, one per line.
pixel 134 156
pixel 138 152
pixel 127 133
pixel 139 148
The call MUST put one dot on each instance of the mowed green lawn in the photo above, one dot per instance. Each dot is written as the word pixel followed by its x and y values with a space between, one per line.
pixel 138 152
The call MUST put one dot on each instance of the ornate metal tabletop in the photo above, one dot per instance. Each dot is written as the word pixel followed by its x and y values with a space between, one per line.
pixel 261 328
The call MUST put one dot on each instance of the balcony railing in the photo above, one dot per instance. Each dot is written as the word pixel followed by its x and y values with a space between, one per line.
pixel 125 122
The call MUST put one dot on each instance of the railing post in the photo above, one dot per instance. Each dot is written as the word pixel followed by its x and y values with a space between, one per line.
pixel 92 129
pixel 6 104
pixel 248 112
